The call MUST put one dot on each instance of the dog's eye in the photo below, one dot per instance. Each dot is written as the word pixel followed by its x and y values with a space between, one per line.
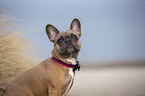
pixel 74 36
pixel 60 40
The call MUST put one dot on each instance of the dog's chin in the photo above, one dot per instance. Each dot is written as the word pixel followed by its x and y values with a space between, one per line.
pixel 68 55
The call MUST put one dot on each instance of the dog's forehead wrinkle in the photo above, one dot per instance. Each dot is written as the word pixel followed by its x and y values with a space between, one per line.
pixel 65 34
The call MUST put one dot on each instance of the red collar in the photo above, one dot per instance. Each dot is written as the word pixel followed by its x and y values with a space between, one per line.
pixel 75 67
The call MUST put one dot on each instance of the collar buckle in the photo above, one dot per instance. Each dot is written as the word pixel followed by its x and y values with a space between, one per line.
pixel 77 66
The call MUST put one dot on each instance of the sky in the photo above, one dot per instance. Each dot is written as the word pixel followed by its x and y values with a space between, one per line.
pixel 111 29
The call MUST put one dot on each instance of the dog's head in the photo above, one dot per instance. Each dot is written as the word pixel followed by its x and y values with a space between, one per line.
pixel 66 43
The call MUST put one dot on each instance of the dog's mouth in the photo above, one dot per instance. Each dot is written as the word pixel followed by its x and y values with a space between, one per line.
pixel 69 50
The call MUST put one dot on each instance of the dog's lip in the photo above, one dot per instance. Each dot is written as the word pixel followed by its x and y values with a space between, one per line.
pixel 70 46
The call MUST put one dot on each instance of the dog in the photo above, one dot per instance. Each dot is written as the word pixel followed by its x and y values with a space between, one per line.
pixel 55 75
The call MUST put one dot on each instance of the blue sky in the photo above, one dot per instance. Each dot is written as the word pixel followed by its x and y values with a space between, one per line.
pixel 111 29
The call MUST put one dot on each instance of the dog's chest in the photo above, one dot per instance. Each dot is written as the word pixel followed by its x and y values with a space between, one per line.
pixel 71 73
pixel 69 81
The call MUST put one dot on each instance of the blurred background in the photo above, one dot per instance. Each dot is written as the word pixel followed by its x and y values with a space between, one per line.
pixel 113 41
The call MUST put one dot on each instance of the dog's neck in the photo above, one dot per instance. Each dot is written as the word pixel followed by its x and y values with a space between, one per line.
pixel 69 60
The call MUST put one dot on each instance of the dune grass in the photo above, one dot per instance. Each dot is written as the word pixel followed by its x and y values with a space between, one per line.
pixel 15 55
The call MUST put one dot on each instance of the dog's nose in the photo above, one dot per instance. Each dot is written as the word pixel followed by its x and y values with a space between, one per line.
pixel 68 41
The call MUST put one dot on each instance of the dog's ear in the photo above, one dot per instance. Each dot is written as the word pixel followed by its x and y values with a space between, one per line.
pixel 52 32
pixel 76 26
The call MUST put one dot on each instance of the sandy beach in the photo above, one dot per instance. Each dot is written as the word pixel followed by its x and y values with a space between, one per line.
pixel 109 81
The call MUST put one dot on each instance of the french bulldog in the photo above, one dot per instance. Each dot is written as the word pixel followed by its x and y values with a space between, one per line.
pixel 55 75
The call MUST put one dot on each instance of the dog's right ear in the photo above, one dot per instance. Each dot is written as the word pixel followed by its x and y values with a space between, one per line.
pixel 52 32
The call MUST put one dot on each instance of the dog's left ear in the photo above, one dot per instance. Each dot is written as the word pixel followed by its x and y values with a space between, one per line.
pixel 76 26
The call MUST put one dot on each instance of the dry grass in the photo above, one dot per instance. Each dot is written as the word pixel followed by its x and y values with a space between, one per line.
pixel 14 52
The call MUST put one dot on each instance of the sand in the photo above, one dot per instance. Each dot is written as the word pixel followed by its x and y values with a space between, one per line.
pixel 114 81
